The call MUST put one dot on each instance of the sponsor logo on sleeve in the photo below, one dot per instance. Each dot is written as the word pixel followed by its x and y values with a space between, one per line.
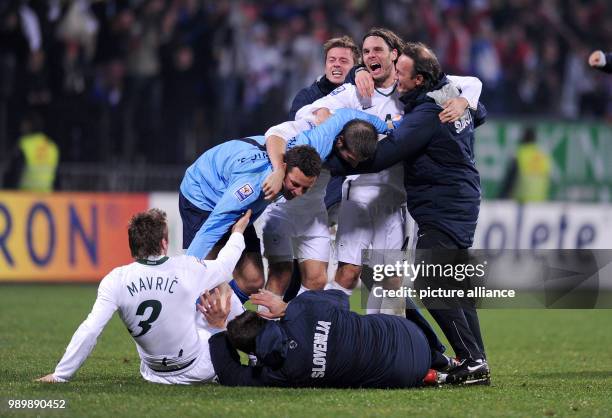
pixel 244 192
pixel 337 90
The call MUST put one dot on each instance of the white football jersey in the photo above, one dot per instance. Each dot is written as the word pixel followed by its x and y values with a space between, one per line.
pixel 156 300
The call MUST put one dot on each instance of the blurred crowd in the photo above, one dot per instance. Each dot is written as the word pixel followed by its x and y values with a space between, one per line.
pixel 163 80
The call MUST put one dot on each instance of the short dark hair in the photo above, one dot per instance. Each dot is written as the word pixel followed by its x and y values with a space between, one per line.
pixel 425 63
pixel 391 38
pixel 305 158
pixel 360 137
pixel 242 331
pixel 146 231
pixel 342 42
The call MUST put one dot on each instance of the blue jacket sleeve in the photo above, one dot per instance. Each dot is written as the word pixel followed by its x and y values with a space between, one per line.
pixel 235 201
pixel 481 115
pixel 301 99
pixel 226 362
pixel 322 137
pixel 350 77
pixel 405 143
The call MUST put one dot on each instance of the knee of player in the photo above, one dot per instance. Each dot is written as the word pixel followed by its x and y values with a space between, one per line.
pixel 347 275
pixel 315 281
pixel 279 269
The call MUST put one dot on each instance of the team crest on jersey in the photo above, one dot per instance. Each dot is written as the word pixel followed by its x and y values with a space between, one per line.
pixel 337 90
pixel 244 192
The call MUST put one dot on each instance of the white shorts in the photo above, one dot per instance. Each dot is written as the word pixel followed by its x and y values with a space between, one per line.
pixel 201 371
pixel 289 234
pixel 362 226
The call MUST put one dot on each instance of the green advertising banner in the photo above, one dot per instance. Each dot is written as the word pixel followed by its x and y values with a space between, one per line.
pixel 581 154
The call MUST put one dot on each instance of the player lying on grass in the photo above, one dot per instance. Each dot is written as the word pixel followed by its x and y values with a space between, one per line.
pixel 227 179
pixel 154 296
pixel 319 342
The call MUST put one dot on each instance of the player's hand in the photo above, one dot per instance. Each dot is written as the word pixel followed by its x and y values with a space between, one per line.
pixel 273 184
pixel 321 115
pixel 596 59
pixel 453 109
pixel 270 300
pixel 49 379
pixel 364 83
pixel 215 307
pixel 242 223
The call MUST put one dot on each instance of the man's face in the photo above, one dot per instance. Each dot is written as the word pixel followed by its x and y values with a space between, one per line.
pixel 406 81
pixel 296 183
pixel 378 58
pixel 346 154
pixel 338 63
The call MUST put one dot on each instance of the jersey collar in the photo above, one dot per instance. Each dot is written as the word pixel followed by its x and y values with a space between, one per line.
pixel 148 262
pixel 390 92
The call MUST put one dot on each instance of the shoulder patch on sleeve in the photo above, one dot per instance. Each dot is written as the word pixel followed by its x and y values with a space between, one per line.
pixel 244 192
pixel 337 90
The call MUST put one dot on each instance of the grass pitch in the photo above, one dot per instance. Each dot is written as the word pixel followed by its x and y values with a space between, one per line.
pixel 544 363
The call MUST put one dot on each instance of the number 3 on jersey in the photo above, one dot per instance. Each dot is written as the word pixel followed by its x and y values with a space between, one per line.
pixel 145 324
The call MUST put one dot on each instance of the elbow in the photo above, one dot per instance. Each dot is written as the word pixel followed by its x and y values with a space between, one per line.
pixel 475 82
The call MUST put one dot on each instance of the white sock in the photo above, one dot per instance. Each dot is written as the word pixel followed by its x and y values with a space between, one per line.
pixel 335 285
pixel 373 306
pixel 393 306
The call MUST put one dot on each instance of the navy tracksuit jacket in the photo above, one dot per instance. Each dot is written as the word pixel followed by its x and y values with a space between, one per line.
pixel 321 343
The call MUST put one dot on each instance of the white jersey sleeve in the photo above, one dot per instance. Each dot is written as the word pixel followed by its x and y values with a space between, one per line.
pixel 470 88
pixel 344 96
pixel 84 339
pixel 290 129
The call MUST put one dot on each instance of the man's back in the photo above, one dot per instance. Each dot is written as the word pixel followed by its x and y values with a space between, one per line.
pixel 321 343
pixel 151 300
pixel 442 182
pixel 347 349
pixel 210 176
pixel 155 299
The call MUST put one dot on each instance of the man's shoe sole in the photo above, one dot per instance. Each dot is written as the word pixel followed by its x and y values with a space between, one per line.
pixel 474 379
